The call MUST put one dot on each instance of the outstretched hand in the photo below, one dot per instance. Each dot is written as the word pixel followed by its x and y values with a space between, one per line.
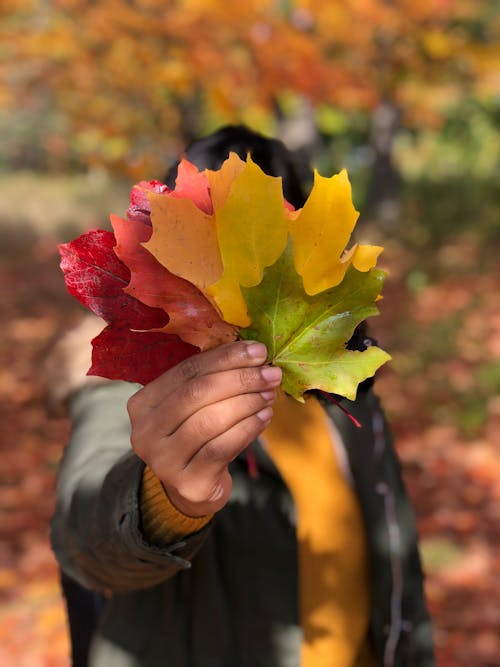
pixel 192 421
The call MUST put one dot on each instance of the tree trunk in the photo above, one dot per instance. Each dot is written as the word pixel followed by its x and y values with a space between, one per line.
pixel 384 191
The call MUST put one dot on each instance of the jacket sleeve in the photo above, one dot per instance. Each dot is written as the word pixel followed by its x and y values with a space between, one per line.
pixel 96 529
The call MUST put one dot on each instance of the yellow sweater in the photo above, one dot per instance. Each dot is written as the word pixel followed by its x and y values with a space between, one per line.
pixel 333 572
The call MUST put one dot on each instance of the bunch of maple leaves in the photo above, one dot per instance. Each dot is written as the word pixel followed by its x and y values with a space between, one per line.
pixel 224 256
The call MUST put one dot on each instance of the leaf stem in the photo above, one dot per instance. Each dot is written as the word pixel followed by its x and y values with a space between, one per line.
pixel 330 398
pixel 252 468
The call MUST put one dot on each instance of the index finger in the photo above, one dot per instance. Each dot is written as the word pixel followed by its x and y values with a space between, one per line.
pixel 241 354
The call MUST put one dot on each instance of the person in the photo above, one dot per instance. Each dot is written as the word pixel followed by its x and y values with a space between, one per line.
pixel 199 562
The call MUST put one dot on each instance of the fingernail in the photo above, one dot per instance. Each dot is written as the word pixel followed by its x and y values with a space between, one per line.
pixel 272 375
pixel 265 415
pixel 268 395
pixel 256 350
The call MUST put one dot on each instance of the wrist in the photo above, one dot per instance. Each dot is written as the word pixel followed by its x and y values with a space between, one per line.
pixel 164 522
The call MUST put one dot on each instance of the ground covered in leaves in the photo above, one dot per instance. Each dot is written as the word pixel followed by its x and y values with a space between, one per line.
pixel 440 321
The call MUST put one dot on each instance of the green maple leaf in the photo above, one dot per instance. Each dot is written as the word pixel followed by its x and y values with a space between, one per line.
pixel 306 335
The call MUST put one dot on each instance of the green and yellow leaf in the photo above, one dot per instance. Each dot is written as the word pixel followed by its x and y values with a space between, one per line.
pixel 306 335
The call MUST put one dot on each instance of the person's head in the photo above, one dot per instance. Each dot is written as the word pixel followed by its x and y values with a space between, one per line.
pixel 270 154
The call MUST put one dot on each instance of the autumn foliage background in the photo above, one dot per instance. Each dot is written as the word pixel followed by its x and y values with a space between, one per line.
pixel 406 96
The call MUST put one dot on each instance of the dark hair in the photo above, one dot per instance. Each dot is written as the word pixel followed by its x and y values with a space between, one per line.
pixel 271 155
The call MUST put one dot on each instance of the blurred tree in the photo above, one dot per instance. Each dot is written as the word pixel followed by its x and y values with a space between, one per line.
pixel 126 83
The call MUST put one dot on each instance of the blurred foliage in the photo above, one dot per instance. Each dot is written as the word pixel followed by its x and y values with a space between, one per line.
pixel 126 83
pixel 467 145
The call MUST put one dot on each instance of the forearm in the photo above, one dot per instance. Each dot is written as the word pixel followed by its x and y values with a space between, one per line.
pixel 96 530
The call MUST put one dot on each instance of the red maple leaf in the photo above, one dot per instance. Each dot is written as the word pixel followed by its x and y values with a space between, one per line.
pixel 136 356
pixel 96 277
pixel 190 184
pixel 140 208
pixel 192 316
pixel 125 350
pixel 193 184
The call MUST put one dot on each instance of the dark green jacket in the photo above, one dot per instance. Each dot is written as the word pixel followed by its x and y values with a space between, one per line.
pixel 226 596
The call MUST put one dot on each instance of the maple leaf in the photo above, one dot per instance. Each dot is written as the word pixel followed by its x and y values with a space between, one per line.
pixel 190 183
pixel 252 232
pixel 220 180
pixel 139 208
pixel 193 184
pixel 321 231
pixel 184 240
pixel 191 316
pixel 97 278
pixel 306 335
pixel 136 356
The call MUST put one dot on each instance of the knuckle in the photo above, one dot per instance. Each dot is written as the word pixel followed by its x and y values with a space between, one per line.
pixel 204 425
pixel 228 353
pixel 189 368
pixel 133 403
pixel 137 441
pixel 134 441
pixel 214 453
pixel 189 493
pixel 194 391
pixel 250 429
pixel 247 377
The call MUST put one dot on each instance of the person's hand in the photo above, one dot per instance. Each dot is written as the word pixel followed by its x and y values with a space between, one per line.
pixel 192 421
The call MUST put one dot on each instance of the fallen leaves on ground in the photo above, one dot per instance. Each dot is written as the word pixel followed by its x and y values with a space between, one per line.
pixel 32 620
pixel 442 395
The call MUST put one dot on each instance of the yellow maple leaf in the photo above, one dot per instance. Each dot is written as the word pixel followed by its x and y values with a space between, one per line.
pixel 321 231
pixel 222 179
pixel 184 240
pixel 252 230
pixel 362 257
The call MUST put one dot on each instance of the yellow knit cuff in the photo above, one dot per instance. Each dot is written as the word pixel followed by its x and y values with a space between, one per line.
pixel 162 523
